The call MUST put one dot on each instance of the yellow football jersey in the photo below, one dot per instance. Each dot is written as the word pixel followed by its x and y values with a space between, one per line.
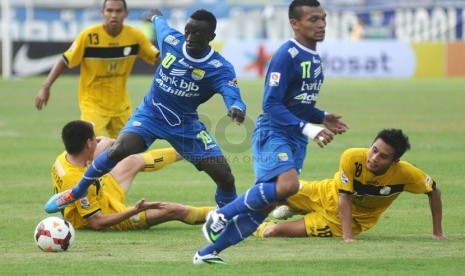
pixel 371 194
pixel 106 63
pixel 105 195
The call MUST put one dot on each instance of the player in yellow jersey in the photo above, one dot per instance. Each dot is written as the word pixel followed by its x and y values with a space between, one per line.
pixel 106 54
pixel 104 206
pixel 367 182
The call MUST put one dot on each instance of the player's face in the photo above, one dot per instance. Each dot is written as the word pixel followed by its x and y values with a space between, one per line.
pixel 198 35
pixel 311 26
pixel 114 13
pixel 380 157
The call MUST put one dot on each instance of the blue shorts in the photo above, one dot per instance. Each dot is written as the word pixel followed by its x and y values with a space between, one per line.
pixel 274 152
pixel 191 139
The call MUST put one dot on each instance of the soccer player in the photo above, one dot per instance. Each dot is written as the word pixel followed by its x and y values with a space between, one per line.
pixel 191 72
pixel 106 54
pixel 104 206
pixel 279 142
pixel 367 183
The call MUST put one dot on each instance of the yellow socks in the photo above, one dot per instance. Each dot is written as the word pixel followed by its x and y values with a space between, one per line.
pixel 197 215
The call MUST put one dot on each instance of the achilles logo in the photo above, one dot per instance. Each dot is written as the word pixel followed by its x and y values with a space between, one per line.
pixel 307 98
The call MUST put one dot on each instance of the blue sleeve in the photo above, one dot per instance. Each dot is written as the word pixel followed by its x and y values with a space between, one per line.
pixel 317 116
pixel 162 30
pixel 276 92
pixel 227 86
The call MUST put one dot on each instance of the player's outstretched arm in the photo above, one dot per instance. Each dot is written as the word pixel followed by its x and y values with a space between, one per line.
pixel 148 16
pixel 42 97
pixel 345 215
pixel 435 204
pixel 334 123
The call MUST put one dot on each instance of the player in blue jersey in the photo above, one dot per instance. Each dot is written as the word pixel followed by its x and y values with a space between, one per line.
pixel 191 72
pixel 279 142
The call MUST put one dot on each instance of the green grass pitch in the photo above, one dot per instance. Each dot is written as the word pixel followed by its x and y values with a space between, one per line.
pixel 429 110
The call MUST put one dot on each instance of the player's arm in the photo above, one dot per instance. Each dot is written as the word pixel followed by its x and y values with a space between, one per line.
pixel 99 221
pixel 435 204
pixel 44 93
pixel 277 80
pixel 229 90
pixel 345 214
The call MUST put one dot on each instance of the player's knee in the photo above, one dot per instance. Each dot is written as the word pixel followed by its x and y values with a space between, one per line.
pixel 287 189
pixel 272 231
pixel 117 153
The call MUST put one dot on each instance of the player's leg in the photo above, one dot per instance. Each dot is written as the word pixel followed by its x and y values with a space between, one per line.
pixel 199 148
pixel 99 122
pixel 273 162
pixel 270 229
pixel 173 211
pixel 220 172
pixel 116 124
pixel 127 169
pixel 239 228
pixel 126 144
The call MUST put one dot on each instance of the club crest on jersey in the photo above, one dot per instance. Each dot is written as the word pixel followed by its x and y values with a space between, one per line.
pixel 344 178
pixel 113 66
pixel 274 79
pixel 126 51
pixel 385 190
pixel 197 74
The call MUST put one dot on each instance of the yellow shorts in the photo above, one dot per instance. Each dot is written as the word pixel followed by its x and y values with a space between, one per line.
pixel 322 218
pixel 116 199
pixel 108 126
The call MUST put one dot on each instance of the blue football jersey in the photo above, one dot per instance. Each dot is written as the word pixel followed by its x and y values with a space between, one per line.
pixel 182 82
pixel 292 85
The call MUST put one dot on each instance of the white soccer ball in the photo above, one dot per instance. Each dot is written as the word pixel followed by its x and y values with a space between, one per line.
pixel 54 234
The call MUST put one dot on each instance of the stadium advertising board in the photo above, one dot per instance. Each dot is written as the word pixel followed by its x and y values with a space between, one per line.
pixel 342 59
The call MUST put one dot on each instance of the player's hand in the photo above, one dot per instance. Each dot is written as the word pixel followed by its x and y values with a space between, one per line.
pixel 349 240
pixel 142 205
pixel 439 237
pixel 153 12
pixel 237 115
pixel 323 138
pixel 334 124
pixel 42 98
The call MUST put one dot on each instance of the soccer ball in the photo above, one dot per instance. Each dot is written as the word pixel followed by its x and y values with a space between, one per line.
pixel 54 234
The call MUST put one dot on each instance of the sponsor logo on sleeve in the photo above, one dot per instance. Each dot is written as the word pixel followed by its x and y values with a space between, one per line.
pixel 344 178
pixel 428 181
pixel 283 156
pixel 171 40
pixel 85 204
pixel 274 78
pixel 293 51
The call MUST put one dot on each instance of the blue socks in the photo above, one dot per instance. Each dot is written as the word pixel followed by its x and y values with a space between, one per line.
pixel 222 198
pixel 100 166
pixel 255 198
pixel 237 230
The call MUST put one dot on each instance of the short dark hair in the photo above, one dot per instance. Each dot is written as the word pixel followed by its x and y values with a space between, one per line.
pixel 124 3
pixel 396 139
pixel 204 15
pixel 75 135
pixel 294 8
